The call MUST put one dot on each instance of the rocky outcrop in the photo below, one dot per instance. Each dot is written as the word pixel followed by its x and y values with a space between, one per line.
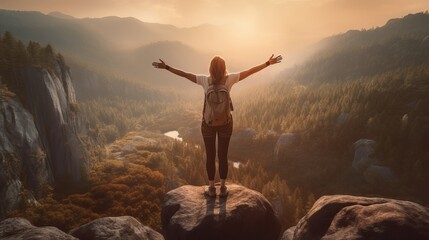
pixel 364 154
pixel 372 170
pixel 51 100
pixel 120 228
pixel 21 229
pixel 350 217
pixel 115 228
pixel 21 154
pixel 40 136
pixel 244 214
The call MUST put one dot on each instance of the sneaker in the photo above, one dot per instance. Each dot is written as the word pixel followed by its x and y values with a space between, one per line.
pixel 223 191
pixel 210 192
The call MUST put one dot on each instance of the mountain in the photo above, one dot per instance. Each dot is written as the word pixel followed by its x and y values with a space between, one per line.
pixel 67 35
pixel 139 62
pixel 398 44
pixel 129 33
pixel 370 85
pixel 60 15
pixel 117 46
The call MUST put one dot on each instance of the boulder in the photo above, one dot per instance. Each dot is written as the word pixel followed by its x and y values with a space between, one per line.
pixel 120 228
pixel 352 217
pixel 21 229
pixel 372 170
pixel 244 214
pixel 364 154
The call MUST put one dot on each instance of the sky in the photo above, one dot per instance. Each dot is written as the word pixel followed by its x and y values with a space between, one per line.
pixel 291 24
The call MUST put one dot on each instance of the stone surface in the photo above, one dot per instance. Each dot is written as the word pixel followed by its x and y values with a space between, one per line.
pixel 21 229
pixel 351 217
pixel 115 228
pixel 364 154
pixel 21 154
pixel 52 97
pixel 244 214
pixel 372 170
pixel 40 132
pixel 288 234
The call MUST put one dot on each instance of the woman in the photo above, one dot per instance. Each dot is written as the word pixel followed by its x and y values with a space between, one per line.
pixel 218 76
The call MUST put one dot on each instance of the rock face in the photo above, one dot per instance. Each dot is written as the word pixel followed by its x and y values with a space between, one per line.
pixel 350 217
pixel 52 99
pixel 21 153
pixel 39 137
pixel 20 229
pixel 115 228
pixel 244 214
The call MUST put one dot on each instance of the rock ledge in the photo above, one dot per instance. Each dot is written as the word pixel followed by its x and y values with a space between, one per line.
pixel 352 217
pixel 244 214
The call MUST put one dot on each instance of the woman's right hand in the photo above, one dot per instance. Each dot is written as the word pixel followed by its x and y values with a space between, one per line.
pixel 160 64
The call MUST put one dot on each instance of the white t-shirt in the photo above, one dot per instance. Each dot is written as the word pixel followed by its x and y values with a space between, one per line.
pixel 231 79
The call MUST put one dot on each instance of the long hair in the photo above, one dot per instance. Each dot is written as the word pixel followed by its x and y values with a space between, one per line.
pixel 217 69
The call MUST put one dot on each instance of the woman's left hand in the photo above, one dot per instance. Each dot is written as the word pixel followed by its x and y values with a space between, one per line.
pixel 160 64
pixel 274 60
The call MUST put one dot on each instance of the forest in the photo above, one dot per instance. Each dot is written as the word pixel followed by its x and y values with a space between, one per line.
pixel 368 84
pixel 132 181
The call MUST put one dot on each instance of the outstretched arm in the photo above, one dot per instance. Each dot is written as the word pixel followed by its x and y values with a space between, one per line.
pixel 178 72
pixel 271 61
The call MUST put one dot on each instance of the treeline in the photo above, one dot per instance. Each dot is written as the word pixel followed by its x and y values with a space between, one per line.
pixel 14 55
pixel 349 64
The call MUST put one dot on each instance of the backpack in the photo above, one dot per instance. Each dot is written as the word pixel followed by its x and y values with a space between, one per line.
pixel 217 105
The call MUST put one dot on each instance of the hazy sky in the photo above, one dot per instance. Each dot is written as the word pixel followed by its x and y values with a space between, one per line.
pixel 293 23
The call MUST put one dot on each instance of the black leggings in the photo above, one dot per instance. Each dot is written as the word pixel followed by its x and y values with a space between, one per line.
pixel 224 135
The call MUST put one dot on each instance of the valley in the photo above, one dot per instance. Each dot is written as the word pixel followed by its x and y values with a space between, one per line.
pixel 352 119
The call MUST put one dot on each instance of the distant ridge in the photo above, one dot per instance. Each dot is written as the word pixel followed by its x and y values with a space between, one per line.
pixel 400 43
pixel 60 15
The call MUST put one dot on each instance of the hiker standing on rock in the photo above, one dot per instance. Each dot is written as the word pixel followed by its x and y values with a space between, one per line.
pixel 217 118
